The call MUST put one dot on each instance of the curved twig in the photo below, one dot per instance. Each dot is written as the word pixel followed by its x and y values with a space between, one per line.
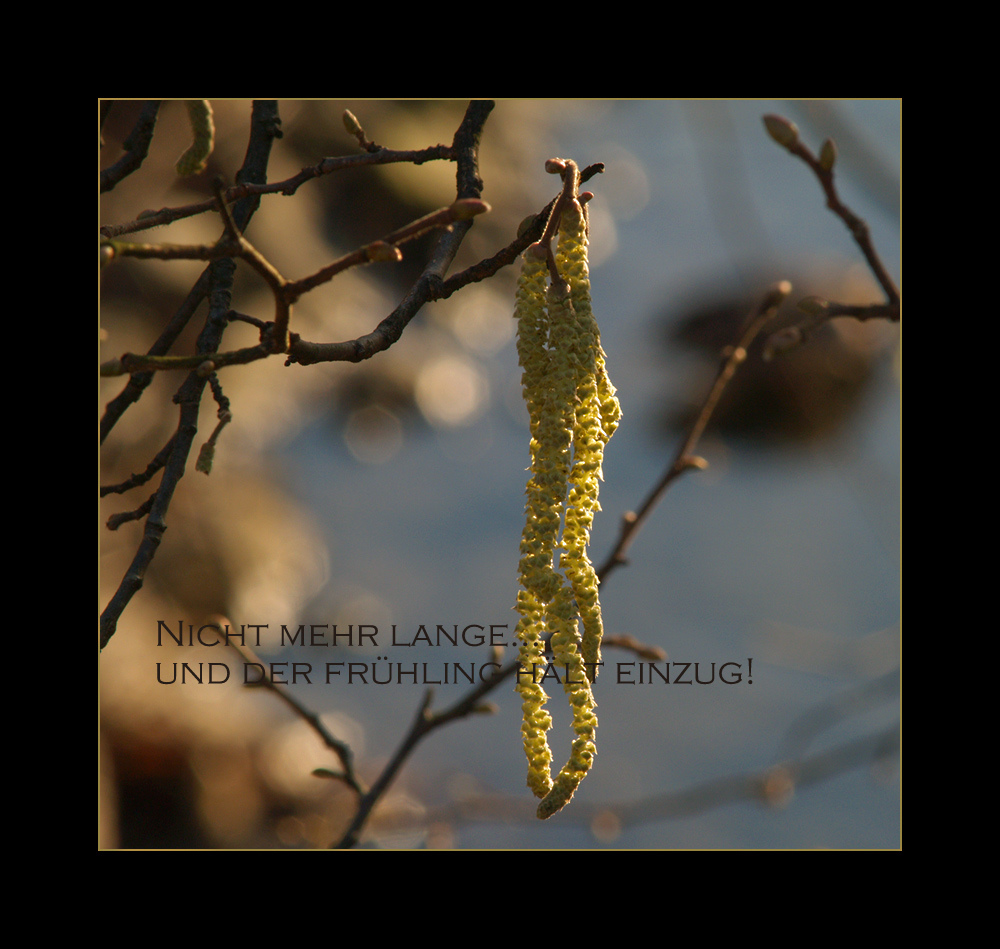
pixel 786 134
pixel 685 458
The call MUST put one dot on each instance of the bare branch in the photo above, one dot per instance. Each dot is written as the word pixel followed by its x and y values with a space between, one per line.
pixel 786 134
pixel 264 127
pixel 685 458
pixel 340 748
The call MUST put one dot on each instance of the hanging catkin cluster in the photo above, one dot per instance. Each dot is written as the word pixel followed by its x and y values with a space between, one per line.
pixel 573 412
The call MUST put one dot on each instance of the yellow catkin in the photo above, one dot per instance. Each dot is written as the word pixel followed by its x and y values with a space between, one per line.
pixel 541 527
pixel 572 412
pixel 561 617
pixel 597 414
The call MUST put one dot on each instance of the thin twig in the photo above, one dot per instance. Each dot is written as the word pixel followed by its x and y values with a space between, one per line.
pixel 265 126
pixel 136 148
pixel 287 187
pixel 685 458
pixel 424 722
pixel 340 748
pixel 786 134
pixel 771 786
pixel 286 292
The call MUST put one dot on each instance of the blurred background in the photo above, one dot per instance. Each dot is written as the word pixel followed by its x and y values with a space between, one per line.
pixel 391 492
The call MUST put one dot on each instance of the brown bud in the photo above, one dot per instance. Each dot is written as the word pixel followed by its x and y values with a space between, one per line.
pixel 351 123
pixel 383 251
pixel 466 208
pixel 778 787
pixel 777 294
pixel 781 130
pixel 827 155
pixel 814 306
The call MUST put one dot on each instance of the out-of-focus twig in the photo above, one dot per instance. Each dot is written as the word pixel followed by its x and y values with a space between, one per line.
pixel 686 459
pixel 341 749
pixel 786 134
pixel 771 786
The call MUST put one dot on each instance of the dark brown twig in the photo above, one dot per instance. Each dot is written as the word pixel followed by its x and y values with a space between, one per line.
pixel 455 220
pixel 286 292
pixel 159 460
pixel 265 127
pixel 288 187
pixel 136 148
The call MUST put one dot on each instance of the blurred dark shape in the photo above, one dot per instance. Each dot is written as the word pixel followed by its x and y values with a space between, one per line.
pixel 389 387
pixel 363 204
pixel 155 796
pixel 802 395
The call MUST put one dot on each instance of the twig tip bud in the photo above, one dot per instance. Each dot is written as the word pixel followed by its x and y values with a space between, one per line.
pixel 351 123
pixel 828 155
pixel 777 294
pixel 814 306
pixel 783 131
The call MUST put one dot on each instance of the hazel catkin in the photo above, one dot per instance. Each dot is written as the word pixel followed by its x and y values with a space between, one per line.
pixel 572 411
